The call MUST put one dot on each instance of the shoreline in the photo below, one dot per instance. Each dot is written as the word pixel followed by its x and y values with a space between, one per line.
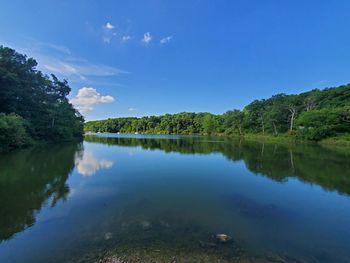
pixel 341 141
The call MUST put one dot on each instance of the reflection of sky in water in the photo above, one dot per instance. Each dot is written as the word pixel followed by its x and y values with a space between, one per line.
pixel 168 192
pixel 87 164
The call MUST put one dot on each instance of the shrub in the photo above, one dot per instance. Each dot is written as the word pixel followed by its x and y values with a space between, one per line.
pixel 12 132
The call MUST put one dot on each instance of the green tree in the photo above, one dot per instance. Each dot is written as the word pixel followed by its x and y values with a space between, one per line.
pixel 209 124
pixel 39 99
pixel 12 132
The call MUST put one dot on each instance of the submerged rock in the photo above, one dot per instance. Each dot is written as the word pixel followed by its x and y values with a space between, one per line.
pixel 146 225
pixel 223 238
pixel 108 235
pixel 164 223
pixel 257 210
pixel 207 244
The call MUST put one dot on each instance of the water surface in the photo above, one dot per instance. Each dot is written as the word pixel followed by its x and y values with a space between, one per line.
pixel 170 195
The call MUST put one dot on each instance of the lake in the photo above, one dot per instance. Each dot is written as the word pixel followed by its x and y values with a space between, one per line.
pixel 164 198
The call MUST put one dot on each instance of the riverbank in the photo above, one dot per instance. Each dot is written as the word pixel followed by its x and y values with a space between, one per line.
pixel 341 141
pixel 37 144
pixel 161 254
pixel 149 255
pixel 337 141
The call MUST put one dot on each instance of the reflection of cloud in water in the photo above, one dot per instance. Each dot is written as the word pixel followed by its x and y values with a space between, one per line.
pixel 88 165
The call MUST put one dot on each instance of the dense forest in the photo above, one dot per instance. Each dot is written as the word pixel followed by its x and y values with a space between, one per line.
pixel 33 106
pixel 313 115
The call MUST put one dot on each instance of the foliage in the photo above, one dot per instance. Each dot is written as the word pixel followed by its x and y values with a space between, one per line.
pixel 38 101
pixel 12 131
pixel 319 124
pixel 312 115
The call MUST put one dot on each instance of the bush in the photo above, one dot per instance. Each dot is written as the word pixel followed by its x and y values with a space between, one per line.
pixel 12 132
pixel 320 124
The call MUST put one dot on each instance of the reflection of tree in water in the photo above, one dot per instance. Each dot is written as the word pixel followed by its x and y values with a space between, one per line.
pixel 310 163
pixel 29 179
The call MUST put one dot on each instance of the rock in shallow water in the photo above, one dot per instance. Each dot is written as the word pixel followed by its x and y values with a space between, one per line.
pixel 223 238
pixel 108 235
pixel 146 225
pixel 207 244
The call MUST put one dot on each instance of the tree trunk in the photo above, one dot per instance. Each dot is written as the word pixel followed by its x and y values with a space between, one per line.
pixel 274 128
pixel 263 128
pixel 261 115
pixel 293 113
pixel 291 122
pixel 240 130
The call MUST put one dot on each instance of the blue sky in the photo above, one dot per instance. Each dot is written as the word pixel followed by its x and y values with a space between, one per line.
pixel 135 58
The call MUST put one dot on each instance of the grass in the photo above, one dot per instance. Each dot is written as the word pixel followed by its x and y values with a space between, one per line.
pixel 341 143
pixel 338 141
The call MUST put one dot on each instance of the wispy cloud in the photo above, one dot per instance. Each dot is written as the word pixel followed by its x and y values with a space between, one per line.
pixel 78 68
pixel 88 97
pixel 165 40
pixel 132 109
pixel 147 37
pixel 59 48
pixel 125 39
pixel 64 64
pixel 34 44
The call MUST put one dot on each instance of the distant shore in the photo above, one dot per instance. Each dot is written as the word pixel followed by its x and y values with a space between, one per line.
pixel 338 141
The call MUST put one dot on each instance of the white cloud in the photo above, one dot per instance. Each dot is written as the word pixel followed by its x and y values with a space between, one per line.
pixel 88 97
pixel 132 109
pixel 88 165
pixel 147 37
pixel 108 26
pixel 108 33
pixel 165 40
pixel 125 38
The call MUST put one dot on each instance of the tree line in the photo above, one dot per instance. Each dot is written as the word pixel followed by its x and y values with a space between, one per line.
pixel 312 115
pixel 33 106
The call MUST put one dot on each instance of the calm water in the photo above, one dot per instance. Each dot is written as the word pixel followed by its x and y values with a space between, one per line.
pixel 170 194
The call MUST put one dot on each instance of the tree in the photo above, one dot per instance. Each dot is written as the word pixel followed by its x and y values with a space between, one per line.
pixel 12 132
pixel 209 124
pixel 323 123
pixel 345 114
pixel 40 100
pixel 235 120
pixel 256 115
